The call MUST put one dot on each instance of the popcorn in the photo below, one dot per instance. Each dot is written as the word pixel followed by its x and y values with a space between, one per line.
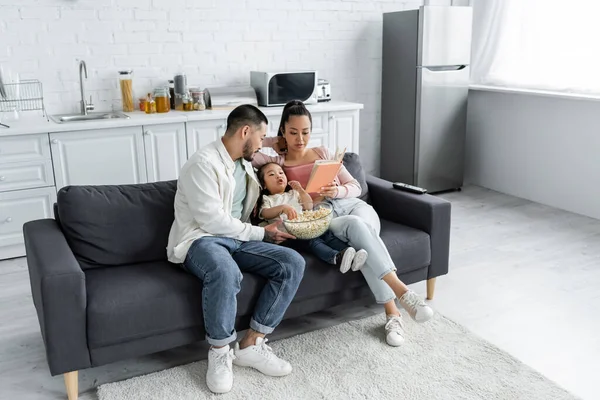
pixel 310 224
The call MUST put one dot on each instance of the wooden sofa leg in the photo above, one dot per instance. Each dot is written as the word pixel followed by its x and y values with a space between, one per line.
pixel 72 384
pixel 430 288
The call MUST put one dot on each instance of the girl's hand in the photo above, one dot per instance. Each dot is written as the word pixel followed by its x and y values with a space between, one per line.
pixel 331 190
pixel 289 211
pixel 280 146
pixel 296 186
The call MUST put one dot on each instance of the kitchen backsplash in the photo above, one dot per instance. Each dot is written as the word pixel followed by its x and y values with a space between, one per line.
pixel 215 42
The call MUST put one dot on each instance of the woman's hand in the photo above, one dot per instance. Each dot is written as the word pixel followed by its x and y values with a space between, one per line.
pixel 330 190
pixel 280 146
pixel 289 211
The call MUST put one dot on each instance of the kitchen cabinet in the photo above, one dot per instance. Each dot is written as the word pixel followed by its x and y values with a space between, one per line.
pixel 165 151
pixel 37 159
pixel 201 133
pixel 18 207
pixel 343 130
pixel 98 157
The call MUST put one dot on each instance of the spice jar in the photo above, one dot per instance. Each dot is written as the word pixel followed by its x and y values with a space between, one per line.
pixel 126 84
pixel 197 99
pixel 142 101
pixel 161 97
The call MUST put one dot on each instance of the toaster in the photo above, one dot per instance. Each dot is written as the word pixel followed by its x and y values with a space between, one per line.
pixel 323 90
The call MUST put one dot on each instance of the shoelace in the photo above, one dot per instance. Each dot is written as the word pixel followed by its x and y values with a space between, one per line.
pixel 265 350
pixel 413 301
pixel 394 324
pixel 222 361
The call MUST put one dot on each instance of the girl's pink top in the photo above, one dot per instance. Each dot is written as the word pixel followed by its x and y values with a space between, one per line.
pixel 347 185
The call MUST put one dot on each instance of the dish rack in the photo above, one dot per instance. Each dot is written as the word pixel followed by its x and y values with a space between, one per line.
pixel 26 95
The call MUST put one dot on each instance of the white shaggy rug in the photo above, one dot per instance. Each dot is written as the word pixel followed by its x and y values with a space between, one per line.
pixel 439 360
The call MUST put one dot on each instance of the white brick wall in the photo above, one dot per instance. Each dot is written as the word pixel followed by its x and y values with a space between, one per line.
pixel 213 41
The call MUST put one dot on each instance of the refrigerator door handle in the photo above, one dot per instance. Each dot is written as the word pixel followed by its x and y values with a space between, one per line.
pixel 442 68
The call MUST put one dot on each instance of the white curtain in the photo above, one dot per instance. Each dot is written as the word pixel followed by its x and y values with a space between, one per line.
pixel 537 44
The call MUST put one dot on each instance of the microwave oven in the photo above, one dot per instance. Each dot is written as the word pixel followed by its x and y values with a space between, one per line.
pixel 278 88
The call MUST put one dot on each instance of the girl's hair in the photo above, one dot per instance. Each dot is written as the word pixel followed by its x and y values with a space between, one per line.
pixel 293 108
pixel 265 191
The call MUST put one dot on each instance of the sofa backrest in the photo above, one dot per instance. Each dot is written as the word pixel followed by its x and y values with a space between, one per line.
pixel 126 224
pixel 117 224
pixel 355 167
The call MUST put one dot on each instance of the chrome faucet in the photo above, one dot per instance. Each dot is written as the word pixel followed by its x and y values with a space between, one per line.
pixel 84 106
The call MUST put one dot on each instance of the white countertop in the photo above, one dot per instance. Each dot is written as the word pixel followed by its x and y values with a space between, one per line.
pixel 28 125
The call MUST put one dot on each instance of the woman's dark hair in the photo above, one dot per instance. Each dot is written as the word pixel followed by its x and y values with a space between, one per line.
pixel 264 191
pixel 293 108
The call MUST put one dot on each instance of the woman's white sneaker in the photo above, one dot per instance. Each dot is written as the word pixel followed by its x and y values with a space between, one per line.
pixel 219 376
pixel 394 330
pixel 261 357
pixel 416 307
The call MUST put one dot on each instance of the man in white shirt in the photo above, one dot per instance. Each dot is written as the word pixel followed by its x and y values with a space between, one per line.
pixel 212 238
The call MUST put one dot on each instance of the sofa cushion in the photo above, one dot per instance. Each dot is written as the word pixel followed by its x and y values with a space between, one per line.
pixel 409 248
pixel 354 166
pixel 120 224
pixel 147 299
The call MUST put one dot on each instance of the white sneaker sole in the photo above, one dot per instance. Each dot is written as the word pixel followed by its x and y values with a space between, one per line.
pixel 282 372
pixel 347 260
pixel 217 389
pixel 359 260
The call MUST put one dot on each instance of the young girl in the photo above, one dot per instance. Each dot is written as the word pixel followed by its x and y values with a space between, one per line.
pixel 279 197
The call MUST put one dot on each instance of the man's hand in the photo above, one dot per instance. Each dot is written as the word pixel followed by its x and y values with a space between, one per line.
pixel 289 211
pixel 274 235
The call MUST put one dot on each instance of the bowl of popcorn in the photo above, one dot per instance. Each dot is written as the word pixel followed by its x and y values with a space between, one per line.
pixel 311 223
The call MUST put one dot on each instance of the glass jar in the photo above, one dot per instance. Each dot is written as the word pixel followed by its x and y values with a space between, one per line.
pixel 142 101
pixel 161 97
pixel 150 105
pixel 198 99
pixel 126 84
pixel 172 93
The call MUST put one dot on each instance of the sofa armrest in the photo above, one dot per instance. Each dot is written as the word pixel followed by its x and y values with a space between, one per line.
pixel 59 295
pixel 428 213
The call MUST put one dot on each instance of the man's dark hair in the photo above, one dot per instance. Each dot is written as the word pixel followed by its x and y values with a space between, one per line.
pixel 245 114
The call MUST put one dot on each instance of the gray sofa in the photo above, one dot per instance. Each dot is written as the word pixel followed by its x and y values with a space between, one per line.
pixel 104 291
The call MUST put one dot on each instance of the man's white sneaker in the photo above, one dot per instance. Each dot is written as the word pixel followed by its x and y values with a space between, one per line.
pixel 394 330
pixel 261 357
pixel 359 260
pixel 416 307
pixel 219 377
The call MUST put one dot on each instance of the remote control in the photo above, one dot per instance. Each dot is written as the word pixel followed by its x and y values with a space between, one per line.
pixel 409 188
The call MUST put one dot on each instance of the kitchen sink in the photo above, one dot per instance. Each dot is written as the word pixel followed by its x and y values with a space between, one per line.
pixel 61 119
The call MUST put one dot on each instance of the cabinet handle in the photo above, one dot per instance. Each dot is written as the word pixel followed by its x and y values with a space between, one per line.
pixel 9 219
pixel 332 117
pixel 2 178
pixel 223 126
pixel 54 141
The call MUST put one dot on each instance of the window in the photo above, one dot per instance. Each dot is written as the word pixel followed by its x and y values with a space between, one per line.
pixel 537 44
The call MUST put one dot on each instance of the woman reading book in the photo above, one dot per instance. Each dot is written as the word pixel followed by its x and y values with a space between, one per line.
pixel 354 220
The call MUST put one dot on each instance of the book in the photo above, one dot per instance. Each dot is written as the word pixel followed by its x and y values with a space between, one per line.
pixel 324 172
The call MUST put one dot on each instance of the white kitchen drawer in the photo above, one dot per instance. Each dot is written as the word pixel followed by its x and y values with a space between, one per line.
pixel 25 175
pixel 17 208
pixel 24 148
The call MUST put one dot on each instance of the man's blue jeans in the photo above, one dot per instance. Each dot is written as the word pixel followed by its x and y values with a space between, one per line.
pixel 219 263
